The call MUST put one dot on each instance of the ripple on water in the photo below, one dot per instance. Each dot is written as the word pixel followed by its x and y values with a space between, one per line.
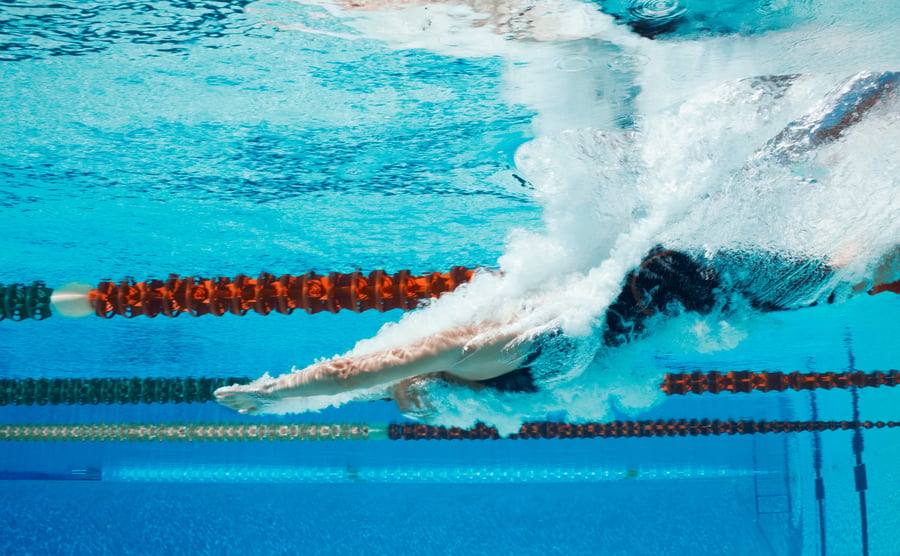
pixel 656 16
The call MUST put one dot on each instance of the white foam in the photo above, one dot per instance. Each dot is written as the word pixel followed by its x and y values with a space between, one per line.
pixel 689 177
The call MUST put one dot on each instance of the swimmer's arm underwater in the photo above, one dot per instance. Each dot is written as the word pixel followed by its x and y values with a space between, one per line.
pixel 467 355
pixel 454 352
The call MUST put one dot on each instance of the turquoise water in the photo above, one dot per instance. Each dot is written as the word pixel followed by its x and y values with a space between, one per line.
pixel 218 138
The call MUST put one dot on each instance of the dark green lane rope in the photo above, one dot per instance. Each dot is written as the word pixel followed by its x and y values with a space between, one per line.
pixel 95 391
pixel 20 302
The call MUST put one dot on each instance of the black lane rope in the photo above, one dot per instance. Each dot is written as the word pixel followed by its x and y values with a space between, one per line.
pixel 286 431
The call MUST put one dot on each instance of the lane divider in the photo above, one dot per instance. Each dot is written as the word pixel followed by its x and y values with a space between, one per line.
pixel 107 391
pixel 280 431
pixel 197 296
pixel 715 382
pixel 136 390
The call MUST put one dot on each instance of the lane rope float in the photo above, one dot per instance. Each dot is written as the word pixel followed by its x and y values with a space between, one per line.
pixel 161 390
pixel 265 294
pixel 282 431
pixel 107 391
pixel 197 296
pixel 715 382
pixel 20 302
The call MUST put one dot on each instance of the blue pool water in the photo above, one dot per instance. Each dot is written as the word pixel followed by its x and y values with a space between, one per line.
pixel 557 142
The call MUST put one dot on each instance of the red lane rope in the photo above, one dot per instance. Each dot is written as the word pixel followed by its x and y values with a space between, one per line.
pixel 285 294
pixel 765 381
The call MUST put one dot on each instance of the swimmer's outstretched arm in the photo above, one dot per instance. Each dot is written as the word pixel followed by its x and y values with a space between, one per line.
pixel 452 351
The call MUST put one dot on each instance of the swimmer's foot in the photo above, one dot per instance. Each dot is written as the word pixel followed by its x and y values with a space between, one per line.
pixel 893 287
pixel 887 275
pixel 245 398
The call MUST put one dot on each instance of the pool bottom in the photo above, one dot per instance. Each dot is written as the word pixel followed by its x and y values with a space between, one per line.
pixel 612 518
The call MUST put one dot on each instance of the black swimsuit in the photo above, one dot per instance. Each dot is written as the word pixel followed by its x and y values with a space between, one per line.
pixel 668 281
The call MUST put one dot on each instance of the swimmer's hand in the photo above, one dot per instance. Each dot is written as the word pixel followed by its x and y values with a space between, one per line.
pixel 247 398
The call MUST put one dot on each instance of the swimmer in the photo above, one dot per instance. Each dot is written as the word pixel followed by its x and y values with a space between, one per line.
pixel 495 354
pixel 491 356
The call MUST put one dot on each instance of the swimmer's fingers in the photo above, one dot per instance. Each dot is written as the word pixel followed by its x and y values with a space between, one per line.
pixel 228 391
pixel 226 396
pixel 241 398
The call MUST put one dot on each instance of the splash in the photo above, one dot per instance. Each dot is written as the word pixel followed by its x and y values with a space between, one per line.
pixel 704 145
